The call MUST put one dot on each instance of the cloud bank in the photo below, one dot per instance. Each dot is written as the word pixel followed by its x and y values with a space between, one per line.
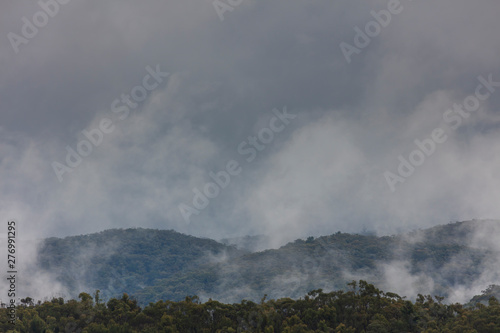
pixel 323 173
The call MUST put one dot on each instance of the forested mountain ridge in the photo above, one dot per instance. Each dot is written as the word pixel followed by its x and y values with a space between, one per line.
pixel 125 260
pixel 158 264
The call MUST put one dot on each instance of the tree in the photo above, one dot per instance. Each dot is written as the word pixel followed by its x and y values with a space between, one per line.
pixel 37 325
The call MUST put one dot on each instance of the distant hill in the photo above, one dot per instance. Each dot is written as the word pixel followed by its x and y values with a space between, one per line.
pixel 126 260
pixel 159 264
pixel 492 291
pixel 248 243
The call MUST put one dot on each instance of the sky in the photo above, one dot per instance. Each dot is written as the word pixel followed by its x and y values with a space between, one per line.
pixel 122 114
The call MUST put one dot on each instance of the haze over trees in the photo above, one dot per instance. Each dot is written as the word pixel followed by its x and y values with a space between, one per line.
pixel 454 261
pixel 361 308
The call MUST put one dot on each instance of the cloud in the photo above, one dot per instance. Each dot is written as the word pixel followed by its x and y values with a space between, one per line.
pixel 323 174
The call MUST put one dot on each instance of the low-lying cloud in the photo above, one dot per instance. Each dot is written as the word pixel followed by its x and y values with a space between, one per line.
pixel 324 173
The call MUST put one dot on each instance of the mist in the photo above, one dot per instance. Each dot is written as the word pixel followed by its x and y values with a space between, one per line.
pixel 322 173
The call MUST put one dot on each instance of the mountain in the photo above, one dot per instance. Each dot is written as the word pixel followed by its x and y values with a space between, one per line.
pixel 249 243
pixel 159 264
pixel 125 260
pixel 492 291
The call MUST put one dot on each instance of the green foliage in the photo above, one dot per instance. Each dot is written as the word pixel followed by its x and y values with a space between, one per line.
pixel 125 260
pixel 159 264
pixel 362 309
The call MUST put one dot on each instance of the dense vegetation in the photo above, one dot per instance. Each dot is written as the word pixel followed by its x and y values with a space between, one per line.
pixel 124 260
pixel 159 264
pixel 362 308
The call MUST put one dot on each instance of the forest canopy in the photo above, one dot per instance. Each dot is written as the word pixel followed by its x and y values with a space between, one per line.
pixel 360 308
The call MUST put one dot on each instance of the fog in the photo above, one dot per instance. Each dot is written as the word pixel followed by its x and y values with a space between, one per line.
pixel 323 172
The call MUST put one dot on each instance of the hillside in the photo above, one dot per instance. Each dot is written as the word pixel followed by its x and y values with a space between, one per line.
pixel 156 264
pixel 117 261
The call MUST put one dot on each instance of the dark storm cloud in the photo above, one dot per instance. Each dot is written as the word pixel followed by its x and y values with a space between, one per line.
pixel 323 173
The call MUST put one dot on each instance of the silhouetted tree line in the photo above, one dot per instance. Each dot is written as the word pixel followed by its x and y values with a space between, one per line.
pixel 362 308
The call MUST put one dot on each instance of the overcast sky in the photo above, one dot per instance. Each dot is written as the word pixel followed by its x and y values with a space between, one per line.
pixel 354 113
